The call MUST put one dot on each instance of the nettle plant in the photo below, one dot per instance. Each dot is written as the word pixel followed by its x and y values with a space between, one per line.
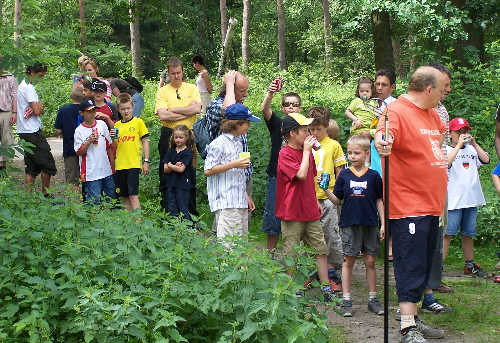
pixel 76 274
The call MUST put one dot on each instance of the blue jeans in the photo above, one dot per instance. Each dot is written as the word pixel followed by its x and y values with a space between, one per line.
pixel 463 218
pixel 95 189
pixel 138 102
pixel 270 224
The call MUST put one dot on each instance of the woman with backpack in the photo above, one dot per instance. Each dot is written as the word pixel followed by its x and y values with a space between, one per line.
pixel 133 87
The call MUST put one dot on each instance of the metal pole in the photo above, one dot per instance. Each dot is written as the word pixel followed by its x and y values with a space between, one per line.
pixel 387 236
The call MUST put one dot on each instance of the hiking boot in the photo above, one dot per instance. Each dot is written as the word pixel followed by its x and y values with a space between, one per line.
pixel 413 336
pixel 436 307
pixel 312 276
pixel 347 308
pixel 444 288
pixel 397 315
pixel 475 270
pixel 427 331
pixel 375 306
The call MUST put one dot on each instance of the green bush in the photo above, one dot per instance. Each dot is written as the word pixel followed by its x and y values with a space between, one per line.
pixel 73 274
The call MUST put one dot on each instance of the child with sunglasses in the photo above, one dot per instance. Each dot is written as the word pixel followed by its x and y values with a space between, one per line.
pixel 290 103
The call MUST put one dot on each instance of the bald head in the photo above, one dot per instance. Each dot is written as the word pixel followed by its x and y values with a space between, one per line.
pixel 240 87
pixel 427 85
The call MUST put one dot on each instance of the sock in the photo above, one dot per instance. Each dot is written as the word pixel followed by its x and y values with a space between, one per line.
pixel 346 296
pixel 428 299
pixel 407 321
pixel 372 295
pixel 469 263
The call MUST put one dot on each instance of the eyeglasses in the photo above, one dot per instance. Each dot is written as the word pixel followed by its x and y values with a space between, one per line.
pixel 287 104
pixel 177 93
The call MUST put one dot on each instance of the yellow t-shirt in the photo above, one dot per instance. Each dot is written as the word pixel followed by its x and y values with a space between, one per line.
pixel 364 111
pixel 327 159
pixel 129 148
pixel 166 97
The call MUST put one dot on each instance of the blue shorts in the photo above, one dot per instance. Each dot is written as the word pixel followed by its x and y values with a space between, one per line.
pixel 270 224
pixel 464 218
pixel 414 240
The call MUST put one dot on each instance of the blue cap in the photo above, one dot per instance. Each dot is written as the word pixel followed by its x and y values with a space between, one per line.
pixel 87 105
pixel 240 112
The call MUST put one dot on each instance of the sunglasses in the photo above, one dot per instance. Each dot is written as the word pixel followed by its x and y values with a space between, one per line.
pixel 177 93
pixel 294 104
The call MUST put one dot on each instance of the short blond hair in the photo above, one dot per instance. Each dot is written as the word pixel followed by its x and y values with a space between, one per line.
pixel 362 141
pixel 333 130
pixel 123 98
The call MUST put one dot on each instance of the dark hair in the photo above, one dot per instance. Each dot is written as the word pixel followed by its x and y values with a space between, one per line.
pixel 291 94
pixel 174 61
pixel 441 67
pixel 135 83
pixel 77 95
pixel 229 125
pixel 389 73
pixel 198 59
pixel 190 140
pixel 321 115
pixel 364 79
pixel 36 68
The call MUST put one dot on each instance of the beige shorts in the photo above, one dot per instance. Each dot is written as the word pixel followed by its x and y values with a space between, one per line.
pixel 310 232
pixel 232 222
pixel 5 131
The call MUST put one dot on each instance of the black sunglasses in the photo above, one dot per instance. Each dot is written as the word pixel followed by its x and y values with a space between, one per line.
pixel 294 104
pixel 177 93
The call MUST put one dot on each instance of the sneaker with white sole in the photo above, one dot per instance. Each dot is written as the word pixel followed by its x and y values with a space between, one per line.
pixel 375 306
pixel 436 307
pixel 413 336
pixel 347 308
pixel 427 331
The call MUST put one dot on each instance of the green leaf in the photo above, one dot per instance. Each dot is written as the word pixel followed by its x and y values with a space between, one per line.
pixel 11 310
pixel 234 276
pixel 88 337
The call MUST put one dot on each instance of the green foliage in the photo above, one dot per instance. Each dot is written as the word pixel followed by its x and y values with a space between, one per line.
pixel 73 274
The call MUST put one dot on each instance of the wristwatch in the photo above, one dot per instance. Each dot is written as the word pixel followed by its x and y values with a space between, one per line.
pixel 146 160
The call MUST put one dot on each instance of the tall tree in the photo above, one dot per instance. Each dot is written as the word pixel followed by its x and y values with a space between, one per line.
pixel 281 35
pixel 83 34
pixel 244 34
pixel 202 28
pixel 328 35
pixel 17 22
pixel 135 38
pixel 382 42
pixel 223 19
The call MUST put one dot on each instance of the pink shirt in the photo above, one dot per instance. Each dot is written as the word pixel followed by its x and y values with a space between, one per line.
pixel 8 92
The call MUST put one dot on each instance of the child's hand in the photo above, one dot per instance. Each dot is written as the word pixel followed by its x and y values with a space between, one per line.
pixel 272 87
pixel 145 168
pixel 309 142
pixel 93 137
pixel 241 163
pixel 382 232
pixel 462 139
pixel 357 123
pixel 179 164
pixel 251 204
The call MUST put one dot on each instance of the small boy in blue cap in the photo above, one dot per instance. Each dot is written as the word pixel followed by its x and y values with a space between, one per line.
pixel 225 166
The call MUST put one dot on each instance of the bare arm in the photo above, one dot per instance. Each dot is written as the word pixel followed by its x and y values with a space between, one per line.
pixel 176 168
pixel 338 170
pixel 304 165
pixel 37 108
pixel 145 147
pixel 229 80
pixel 241 163
pixel 332 197
pixel 496 182
pixel 483 155
pixel 206 78
pixel 266 103
pixel 380 210
pixel 84 147
pixel 189 110
pixel 168 115
pixel 351 116
pixel 456 149
pixel 58 132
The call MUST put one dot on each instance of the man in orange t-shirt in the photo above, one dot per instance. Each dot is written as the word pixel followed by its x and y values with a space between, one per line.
pixel 417 191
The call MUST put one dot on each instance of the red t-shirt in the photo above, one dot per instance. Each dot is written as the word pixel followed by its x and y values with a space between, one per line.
pixel 417 164
pixel 295 199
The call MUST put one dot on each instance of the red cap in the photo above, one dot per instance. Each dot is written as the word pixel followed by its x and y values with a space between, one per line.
pixel 458 123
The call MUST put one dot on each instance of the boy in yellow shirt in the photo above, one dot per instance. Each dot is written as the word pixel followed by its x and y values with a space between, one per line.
pixel 329 159
pixel 132 134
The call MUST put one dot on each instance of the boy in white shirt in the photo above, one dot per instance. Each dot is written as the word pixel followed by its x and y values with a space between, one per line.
pixel 465 157
pixel 93 146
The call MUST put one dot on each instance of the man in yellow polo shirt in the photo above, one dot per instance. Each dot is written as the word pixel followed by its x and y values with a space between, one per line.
pixel 177 103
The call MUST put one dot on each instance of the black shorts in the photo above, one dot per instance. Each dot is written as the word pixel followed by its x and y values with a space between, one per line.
pixel 127 182
pixel 414 240
pixel 40 159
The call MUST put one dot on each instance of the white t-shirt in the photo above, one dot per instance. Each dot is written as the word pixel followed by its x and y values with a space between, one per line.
pixel 95 164
pixel 464 188
pixel 26 93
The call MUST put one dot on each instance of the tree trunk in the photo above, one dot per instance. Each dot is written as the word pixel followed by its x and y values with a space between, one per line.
pixel 203 22
pixel 17 21
pixel 223 20
pixel 83 34
pixel 328 37
pixel 244 35
pixel 382 43
pixel 475 34
pixel 135 39
pixel 281 35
